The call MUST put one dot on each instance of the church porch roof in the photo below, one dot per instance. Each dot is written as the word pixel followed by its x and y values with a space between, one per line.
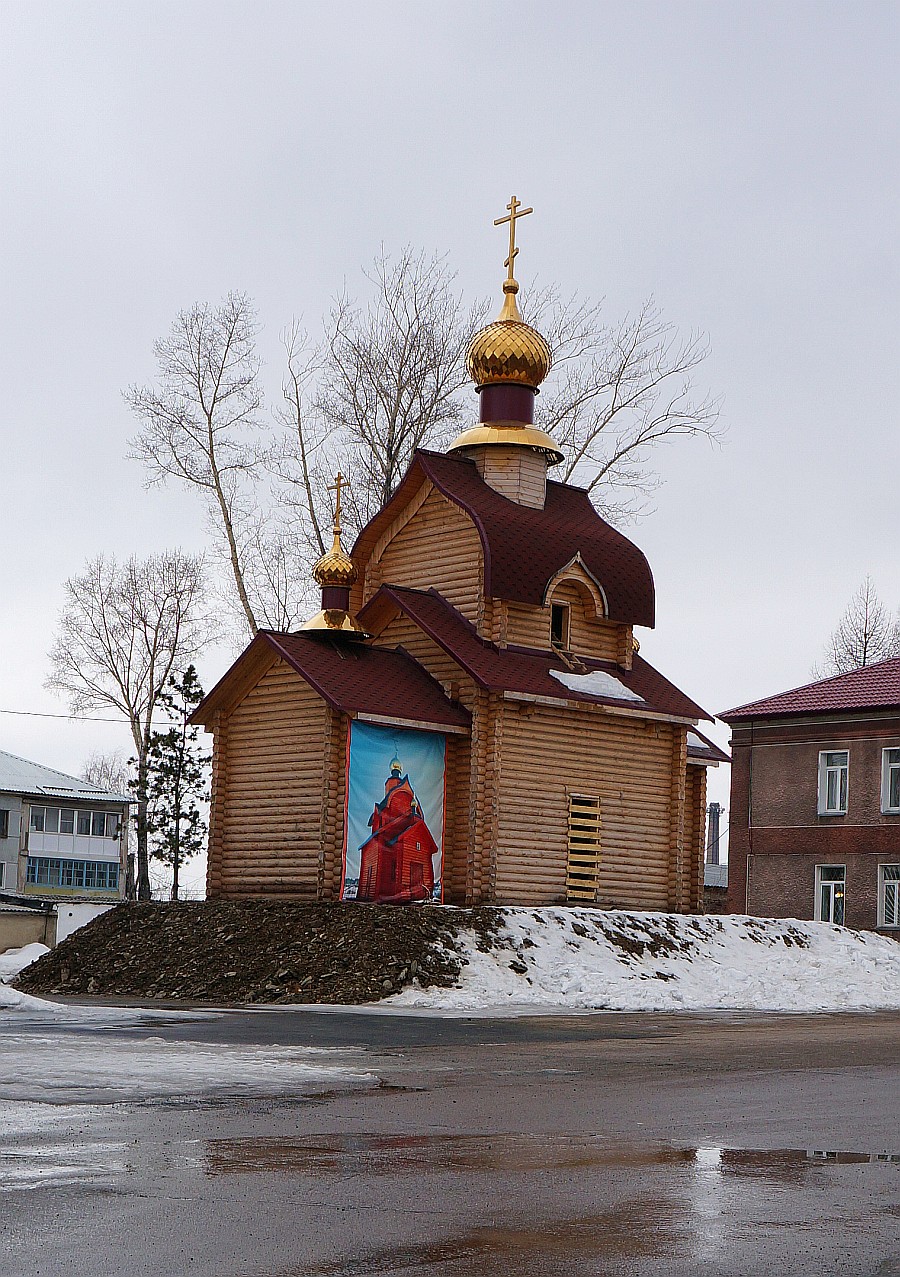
pixel 353 678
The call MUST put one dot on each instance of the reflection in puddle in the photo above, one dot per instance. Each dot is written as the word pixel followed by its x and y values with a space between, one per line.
pixel 636 1230
pixel 405 1154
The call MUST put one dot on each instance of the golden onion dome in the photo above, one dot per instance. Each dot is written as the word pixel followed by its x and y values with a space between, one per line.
pixel 335 568
pixel 508 351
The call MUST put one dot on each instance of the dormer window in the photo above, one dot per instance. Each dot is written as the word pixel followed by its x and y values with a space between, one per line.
pixel 559 625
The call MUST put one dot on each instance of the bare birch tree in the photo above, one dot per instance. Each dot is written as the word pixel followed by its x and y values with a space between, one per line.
pixel 200 424
pixel 109 771
pixel 615 394
pixel 388 376
pixel 122 632
pixel 865 634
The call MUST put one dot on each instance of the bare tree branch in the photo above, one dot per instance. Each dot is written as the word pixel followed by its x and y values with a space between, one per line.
pixel 200 424
pixel 388 377
pixel 865 634
pixel 616 394
pixel 123 630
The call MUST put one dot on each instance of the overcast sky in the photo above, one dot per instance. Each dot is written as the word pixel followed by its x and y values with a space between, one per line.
pixel 738 161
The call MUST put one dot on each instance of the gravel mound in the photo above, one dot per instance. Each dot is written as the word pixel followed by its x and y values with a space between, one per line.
pixel 261 951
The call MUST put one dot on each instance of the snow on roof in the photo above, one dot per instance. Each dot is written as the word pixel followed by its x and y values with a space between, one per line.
pixel 19 776
pixel 596 683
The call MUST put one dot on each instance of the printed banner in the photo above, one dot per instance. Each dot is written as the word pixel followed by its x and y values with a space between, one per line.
pixel 394 825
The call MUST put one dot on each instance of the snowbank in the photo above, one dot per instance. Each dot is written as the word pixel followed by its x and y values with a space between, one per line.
pixel 15 960
pixel 624 961
pixel 13 1000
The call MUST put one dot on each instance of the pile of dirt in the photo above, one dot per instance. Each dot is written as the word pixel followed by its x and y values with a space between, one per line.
pixel 259 951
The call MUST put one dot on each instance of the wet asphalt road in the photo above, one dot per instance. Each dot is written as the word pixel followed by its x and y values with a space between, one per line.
pixel 548 1145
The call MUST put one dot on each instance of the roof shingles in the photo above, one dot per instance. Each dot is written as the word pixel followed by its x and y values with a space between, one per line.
pixel 525 670
pixel 358 679
pixel 566 526
pixel 874 687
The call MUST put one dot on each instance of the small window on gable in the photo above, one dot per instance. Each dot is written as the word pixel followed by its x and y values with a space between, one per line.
pixel 559 625
pixel 4 826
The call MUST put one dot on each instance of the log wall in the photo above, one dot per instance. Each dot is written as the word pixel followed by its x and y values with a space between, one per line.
pixel 695 835
pixel 438 548
pixel 529 626
pixel 548 753
pixel 270 797
pixel 515 472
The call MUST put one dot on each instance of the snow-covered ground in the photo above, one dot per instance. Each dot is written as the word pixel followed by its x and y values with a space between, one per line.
pixel 623 961
pixel 15 960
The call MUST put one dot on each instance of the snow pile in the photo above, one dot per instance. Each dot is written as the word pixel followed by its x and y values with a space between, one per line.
pixel 597 683
pixel 13 1000
pixel 15 960
pixel 619 960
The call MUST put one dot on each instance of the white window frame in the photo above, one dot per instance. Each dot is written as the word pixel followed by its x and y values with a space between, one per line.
pixel 820 882
pixel 824 770
pixel 887 766
pixel 883 882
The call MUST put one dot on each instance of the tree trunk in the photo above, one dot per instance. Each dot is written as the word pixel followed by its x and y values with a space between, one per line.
pixel 176 858
pixel 143 859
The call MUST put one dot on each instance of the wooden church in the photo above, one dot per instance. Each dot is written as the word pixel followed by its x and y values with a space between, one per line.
pixel 467 719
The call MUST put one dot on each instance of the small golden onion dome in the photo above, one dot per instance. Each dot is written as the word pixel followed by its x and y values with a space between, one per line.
pixel 508 351
pixel 335 568
pixel 396 765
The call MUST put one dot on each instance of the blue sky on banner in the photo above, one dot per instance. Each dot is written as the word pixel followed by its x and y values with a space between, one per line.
pixel 372 750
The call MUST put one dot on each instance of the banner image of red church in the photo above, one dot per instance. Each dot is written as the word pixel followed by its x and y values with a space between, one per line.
pixel 394 825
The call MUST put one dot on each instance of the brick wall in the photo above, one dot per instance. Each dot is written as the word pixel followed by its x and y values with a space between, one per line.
pixel 774 823
pixel 784 886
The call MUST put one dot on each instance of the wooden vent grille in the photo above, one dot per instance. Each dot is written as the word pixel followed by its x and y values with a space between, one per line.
pixel 583 868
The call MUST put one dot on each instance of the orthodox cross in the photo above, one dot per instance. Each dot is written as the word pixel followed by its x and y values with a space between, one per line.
pixel 339 481
pixel 515 210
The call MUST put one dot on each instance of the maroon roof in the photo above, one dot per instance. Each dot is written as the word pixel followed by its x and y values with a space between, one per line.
pixel 519 669
pixel 872 687
pixel 701 748
pixel 524 548
pixel 355 679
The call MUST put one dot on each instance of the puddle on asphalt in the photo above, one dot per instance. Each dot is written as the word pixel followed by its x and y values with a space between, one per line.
pixel 511 1154
pixel 31 1164
pixel 638 1230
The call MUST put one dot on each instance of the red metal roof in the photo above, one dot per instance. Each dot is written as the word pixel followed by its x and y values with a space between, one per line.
pixel 701 748
pixel 353 678
pixel 525 670
pixel 525 548
pixel 872 687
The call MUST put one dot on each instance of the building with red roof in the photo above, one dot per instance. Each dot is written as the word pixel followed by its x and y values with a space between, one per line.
pixel 815 801
pixel 492 609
